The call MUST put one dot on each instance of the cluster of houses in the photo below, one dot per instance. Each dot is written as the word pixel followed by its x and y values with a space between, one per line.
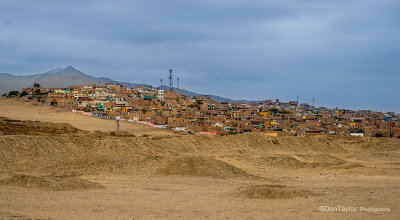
pixel 202 115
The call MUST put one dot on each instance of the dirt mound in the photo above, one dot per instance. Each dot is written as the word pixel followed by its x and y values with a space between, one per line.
pixel 121 134
pixel 305 161
pixel 203 166
pixel 48 182
pixel 323 160
pixel 94 153
pixel 16 127
pixel 93 166
pixel 284 161
pixel 273 192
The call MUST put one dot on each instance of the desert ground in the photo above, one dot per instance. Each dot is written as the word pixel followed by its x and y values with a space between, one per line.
pixel 55 164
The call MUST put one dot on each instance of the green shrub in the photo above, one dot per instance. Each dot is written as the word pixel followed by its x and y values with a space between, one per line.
pixel 379 134
pixel 24 93
pixel 13 94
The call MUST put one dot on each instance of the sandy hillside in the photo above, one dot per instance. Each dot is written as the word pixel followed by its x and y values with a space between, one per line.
pixel 56 167
pixel 27 111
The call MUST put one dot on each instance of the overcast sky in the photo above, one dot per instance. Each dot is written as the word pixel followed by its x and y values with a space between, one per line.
pixel 342 53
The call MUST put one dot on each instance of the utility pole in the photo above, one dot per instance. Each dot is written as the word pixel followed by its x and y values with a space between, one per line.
pixel 161 82
pixel 117 121
pixel 297 100
pixel 177 83
pixel 171 83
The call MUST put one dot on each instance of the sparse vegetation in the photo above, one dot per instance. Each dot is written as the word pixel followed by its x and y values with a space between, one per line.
pixel 24 93
pixel 198 104
pixel 13 94
pixel 36 85
pixel 276 111
pixel 37 95
pixel 359 130
pixel 53 102
pixel 87 109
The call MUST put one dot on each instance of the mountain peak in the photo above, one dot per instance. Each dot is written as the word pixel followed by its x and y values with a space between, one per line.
pixel 56 78
pixel 70 68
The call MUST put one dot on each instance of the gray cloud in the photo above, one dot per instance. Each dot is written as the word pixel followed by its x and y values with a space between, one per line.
pixel 343 53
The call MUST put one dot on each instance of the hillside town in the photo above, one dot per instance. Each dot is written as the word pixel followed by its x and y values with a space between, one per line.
pixel 202 115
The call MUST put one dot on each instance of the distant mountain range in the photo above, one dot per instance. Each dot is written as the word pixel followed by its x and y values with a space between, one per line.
pixel 57 78
pixel 69 76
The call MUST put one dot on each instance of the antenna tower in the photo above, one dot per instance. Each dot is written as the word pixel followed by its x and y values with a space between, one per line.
pixel 171 83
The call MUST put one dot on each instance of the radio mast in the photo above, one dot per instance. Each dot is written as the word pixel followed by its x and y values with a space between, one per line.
pixel 171 83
